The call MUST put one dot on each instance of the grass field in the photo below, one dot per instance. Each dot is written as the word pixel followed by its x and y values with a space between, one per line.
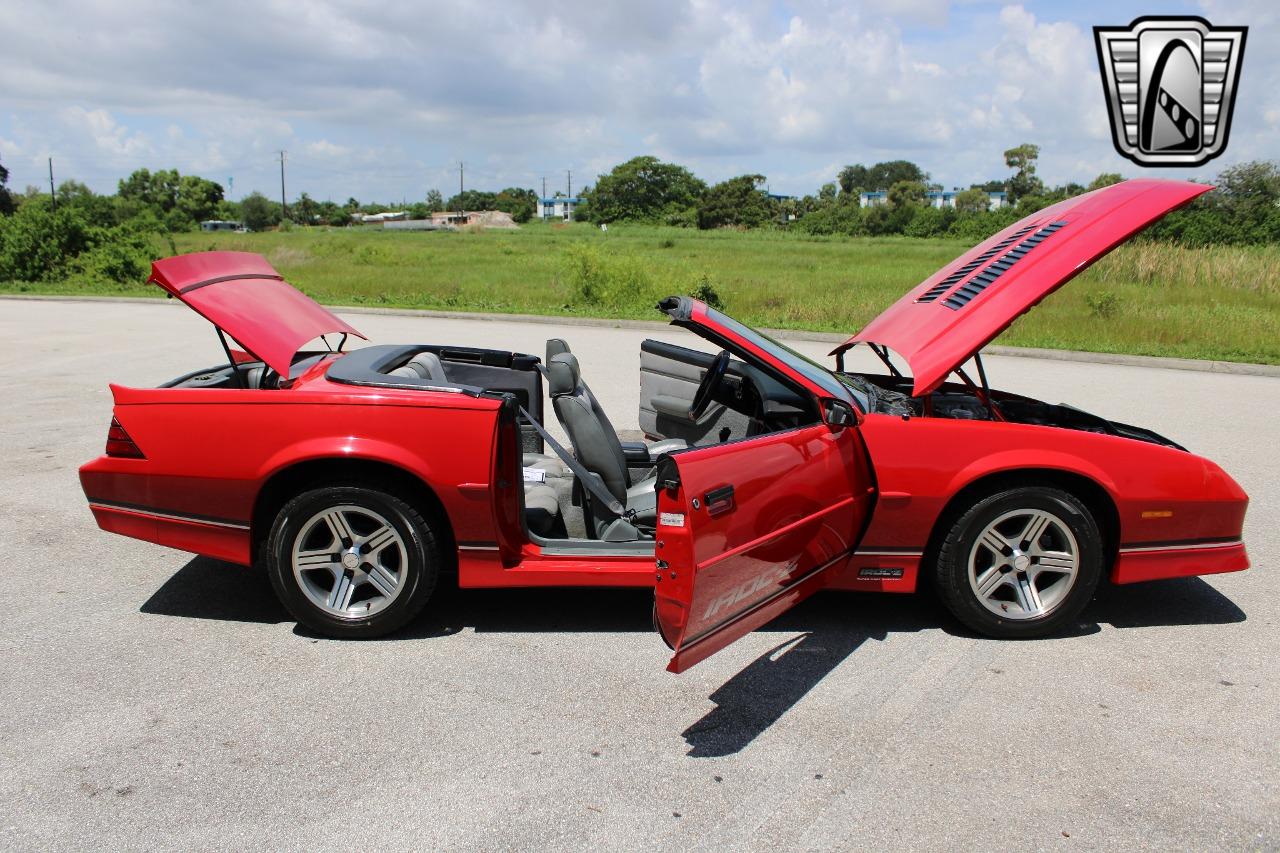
pixel 1145 298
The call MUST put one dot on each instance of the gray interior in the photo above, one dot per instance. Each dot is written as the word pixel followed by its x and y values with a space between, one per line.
pixel 669 379
pixel 596 445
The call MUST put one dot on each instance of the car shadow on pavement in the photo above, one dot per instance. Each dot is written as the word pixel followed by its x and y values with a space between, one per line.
pixel 825 631
pixel 210 589
pixel 820 634
pixel 831 627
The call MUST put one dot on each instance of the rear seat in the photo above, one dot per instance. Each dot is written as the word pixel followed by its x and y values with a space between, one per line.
pixel 424 365
pixel 542 510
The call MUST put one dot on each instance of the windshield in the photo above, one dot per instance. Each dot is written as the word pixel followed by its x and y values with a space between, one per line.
pixel 836 384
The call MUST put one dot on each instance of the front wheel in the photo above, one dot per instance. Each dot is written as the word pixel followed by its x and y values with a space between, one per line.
pixel 352 562
pixel 1021 563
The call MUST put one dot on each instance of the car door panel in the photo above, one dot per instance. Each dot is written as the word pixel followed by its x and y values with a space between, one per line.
pixel 746 530
pixel 669 378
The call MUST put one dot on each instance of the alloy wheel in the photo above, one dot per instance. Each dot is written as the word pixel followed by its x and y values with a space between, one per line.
pixel 1024 564
pixel 349 561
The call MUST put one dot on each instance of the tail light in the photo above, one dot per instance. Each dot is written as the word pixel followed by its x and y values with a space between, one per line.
pixel 119 444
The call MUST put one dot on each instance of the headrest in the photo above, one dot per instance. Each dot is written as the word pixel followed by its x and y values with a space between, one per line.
pixel 562 374
pixel 555 346
pixel 428 366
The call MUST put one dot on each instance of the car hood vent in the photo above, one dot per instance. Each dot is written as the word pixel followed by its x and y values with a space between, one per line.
pixel 947 283
pixel 982 280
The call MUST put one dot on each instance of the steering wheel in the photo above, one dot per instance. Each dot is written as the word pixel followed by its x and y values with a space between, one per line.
pixel 710 384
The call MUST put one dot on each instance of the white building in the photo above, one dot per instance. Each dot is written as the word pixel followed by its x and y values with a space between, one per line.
pixel 558 208
pixel 933 198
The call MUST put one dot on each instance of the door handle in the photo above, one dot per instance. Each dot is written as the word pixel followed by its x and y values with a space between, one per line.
pixel 719 500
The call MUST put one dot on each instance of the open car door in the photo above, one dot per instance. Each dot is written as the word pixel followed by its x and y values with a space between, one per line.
pixel 746 530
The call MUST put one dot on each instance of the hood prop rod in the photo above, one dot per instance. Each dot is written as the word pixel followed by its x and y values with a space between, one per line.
pixel 883 353
pixel 983 393
pixel 235 369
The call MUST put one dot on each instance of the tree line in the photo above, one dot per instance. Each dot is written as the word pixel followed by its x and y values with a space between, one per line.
pixel 113 237
pixel 1244 209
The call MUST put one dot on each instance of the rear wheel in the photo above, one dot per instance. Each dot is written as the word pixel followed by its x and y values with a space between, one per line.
pixel 352 562
pixel 1020 563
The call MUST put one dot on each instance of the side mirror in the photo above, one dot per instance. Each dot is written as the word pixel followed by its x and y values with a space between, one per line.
pixel 838 414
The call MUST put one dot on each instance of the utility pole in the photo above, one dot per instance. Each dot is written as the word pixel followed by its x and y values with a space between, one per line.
pixel 460 210
pixel 53 198
pixel 284 208
pixel 568 206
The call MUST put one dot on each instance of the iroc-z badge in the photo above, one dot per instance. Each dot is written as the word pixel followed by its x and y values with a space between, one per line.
pixel 1170 85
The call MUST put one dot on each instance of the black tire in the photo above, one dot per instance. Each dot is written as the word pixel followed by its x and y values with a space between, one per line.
pixel 417 557
pixel 957 591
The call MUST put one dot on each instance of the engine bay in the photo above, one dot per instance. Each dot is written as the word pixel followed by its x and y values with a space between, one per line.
pixel 891 395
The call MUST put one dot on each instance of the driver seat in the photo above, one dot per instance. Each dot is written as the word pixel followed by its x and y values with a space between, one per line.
pixel 597 447
pixel 558 346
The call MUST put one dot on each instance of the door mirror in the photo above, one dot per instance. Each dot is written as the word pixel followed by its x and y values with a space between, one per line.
pixel 838 414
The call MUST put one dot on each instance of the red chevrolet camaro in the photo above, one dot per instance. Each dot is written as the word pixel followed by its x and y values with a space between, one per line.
pixel 361 480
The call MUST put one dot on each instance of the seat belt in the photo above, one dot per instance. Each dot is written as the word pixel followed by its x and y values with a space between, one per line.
pixel 590 480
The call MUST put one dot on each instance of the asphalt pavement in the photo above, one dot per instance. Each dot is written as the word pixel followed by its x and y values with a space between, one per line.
pixel 151 699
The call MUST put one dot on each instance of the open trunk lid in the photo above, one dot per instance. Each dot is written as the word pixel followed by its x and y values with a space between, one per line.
pixel 243 295
pixel 958 310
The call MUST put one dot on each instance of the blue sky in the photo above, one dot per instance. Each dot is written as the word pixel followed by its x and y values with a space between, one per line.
pixel 380 101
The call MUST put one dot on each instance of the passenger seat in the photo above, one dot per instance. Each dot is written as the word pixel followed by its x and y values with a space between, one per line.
pixel 558 346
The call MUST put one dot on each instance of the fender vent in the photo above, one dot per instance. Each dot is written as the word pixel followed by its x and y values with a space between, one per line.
pixel 947 283
pixel 982 280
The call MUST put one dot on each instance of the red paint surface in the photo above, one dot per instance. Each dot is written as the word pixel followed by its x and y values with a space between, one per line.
pixel 935 339
pixel 252 304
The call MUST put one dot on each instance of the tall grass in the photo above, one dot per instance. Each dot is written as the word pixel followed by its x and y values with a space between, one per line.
pixel 1146 297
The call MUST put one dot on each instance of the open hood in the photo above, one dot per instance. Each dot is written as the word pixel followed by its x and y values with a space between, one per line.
pixel 958 310
pixel 241 294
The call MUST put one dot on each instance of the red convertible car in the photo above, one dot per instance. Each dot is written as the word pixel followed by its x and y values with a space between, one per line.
pixel 363 479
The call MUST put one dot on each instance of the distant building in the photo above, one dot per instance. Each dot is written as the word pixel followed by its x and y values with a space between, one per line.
pixel 221 225
pixel 558 208
pixel 483 218
pixel 933 198
pixel 385 216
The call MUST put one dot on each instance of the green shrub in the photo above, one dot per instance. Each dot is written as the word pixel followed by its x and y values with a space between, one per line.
pixel 1102 305
pixel 607 279
pixel 706 291
pixel 37 244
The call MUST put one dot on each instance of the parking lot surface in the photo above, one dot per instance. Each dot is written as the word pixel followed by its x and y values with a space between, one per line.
pixel 152 699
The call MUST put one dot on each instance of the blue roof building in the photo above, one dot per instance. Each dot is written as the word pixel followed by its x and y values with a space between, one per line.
pixel 558 208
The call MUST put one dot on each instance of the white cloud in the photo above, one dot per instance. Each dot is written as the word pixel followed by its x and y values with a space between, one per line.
pixel 381 99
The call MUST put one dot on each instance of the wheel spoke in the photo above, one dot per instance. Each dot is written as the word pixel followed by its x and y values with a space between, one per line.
pixel 340 595
pixel 1034 530
pixel 1028 596
pixel 995 542
pixel 383 580
pixel 319 558
pixel 991 580
pixel 338 526
pixel 1056 562
pixel 379 539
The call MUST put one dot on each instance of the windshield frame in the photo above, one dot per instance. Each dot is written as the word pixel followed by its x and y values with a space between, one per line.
pixel 832 384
